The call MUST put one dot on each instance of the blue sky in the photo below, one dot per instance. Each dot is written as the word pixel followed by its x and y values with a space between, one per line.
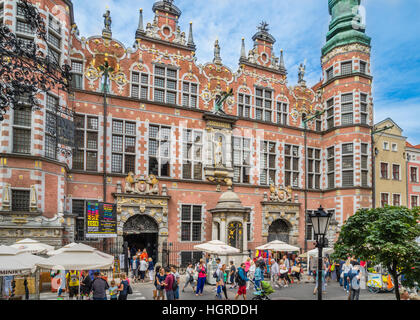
pixel 299 28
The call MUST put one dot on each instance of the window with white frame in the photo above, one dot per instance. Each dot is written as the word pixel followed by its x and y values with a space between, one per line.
pixel 77 74
pixel 363 108
pixel 310 235
pixel 51 127
pixel 384 199
pixel 192 153
pixel 314 168
pixel 384 170
pixel 318 123
pixel 331 167
pixel 189 94
pixel 159 150
pixel 244 105
pixel 291 165
pixel 330 113
pixel 347 109
pixel 22 26
pixel 85 156
pixel 396 172
pixel 364 164
pixel 282 112
pixel 191 223
pixel 386 146
pixel 123 158
pixel 54 39
pixel 394 147
pixel 165 84
pixel 139 85
pixel 414 177
pixel 268 166
pixel 22 121
pixel 347 165
pixel 363 67
pixel 396 200
pixel 346 68
pixel 241 159
pixel 414 201
pixel 264 104
pixel 330 73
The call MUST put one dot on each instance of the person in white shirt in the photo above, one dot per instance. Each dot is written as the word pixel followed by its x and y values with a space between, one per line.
pixel 345 273
pixel 190 277
pixel 251 272
pixel 274 272
pixel 142 269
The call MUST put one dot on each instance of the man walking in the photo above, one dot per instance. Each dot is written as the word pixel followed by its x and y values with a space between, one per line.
pixel 142 269
pixel 177 277
pixel 354 276
pixel 274 272
pixel 241 280
pixel 232 274
pixel 72 279
pixel 99 287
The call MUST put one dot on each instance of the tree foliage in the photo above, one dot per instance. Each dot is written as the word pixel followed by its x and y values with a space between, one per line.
pixel 384 236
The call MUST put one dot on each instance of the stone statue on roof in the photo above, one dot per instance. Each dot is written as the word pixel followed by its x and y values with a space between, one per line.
pixel 107 20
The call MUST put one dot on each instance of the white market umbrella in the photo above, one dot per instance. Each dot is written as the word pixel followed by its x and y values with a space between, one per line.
pixel 81 245
pixel 279 246
pixel 216 247
pixel 54 252
pixel 32 246
pixel 12 262
pixel 78 257
pixel 314 252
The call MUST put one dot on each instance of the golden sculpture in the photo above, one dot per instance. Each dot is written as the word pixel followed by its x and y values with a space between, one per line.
pixel 280 194
pixel 141 185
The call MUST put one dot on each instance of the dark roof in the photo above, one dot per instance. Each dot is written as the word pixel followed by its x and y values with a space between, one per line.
pixel 167 6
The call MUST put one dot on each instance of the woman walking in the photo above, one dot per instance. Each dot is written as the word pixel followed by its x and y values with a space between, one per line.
pixel 150 269
pixel 347 266
pixel 259 276
pixel 190 277
pixel 202 273
pixel 251 272
pixel 123 287
pixel 297 267
pixel 160 280
pixel 283 273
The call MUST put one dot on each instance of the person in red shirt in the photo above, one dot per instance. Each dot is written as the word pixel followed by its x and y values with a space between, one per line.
pixel 144 255
pixel 168 284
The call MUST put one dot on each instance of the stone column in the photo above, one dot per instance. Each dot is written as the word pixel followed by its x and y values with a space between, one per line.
pixel 214 231
pixel 245 235
pixel 223 231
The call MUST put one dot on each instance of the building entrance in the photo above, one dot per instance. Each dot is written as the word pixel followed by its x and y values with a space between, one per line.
pixel 141 232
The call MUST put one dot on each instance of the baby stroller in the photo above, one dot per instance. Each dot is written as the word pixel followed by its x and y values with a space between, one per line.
pixel 263 292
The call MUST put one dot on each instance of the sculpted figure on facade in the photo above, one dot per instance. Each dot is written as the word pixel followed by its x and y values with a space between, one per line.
pixel 280 194
pixel 218 152
pixel 141 185
pixel 129 183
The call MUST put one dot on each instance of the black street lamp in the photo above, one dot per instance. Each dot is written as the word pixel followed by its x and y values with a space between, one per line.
pixel 320 221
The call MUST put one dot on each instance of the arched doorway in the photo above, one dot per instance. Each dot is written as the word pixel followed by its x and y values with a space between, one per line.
pixel 141 232
pixel 235 235
pixel 279 230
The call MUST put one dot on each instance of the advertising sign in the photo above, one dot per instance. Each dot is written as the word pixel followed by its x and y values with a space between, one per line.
pixel 101 219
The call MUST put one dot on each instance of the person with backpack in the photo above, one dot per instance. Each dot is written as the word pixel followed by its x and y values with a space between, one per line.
pixel 258 275
pixel 99 287
pixel 177 281
pixel 241 280
pixel 354 277
pixel 170 284
pixel 232 273
pixel 202 274
pixel 124 287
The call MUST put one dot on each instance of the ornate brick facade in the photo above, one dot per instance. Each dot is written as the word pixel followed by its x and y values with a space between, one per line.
pixel 159 82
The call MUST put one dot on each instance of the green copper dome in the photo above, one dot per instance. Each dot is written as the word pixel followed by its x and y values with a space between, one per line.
pixel 346 25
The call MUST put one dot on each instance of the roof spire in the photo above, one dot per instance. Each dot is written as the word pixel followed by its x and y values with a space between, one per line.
pixel 217 58
pixel 140 29
pixel 243 52
pixel 191 38
pixel 281 64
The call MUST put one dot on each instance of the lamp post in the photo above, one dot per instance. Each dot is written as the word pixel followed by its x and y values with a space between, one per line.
pixel 320 221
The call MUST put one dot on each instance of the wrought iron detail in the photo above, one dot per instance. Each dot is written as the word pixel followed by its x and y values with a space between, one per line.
pixel 140 224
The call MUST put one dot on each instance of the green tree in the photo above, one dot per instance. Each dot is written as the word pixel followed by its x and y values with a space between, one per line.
pixel 384 236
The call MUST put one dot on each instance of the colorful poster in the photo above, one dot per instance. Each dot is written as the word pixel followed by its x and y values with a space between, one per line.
pixel 101 219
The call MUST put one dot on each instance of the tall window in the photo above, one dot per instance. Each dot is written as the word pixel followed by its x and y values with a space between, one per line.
pixel 22 26
pixel 1 13
pixel 20 200
pixel 414 201
pixel 192 167
pixel 331 167
pixel 363 108
pixel 244 105
pixel 85 156
pixel 191 222
pixel 330 73
pixel 282 112
pixel 330 113
pixel 384 170
pixel 54 40
pixel 396 200
pixel 318 123
pixel 314 168
pixel 189 94
pixel 51 127
pixel 347 109
pixel 139 85
pixel 263 102
pixel 414 175
pixel 165 85
pixel 384 199
pixel 268 163
pixel 291 165
pixel 188 257
pixel 123 146
pixel 363 67
pixel 22 121
pixel 309 229
pixel 241 159
pixel 77 74
pixel 395 172
pixel 364 164
pixel 347 165
pixel 159 150
pixel 346 68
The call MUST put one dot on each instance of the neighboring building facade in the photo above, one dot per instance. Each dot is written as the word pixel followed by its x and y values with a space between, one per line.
pixel 180 170
pixel 413 174
pixel 390 165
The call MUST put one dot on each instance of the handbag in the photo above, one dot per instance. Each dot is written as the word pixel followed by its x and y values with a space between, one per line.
pixel 296 269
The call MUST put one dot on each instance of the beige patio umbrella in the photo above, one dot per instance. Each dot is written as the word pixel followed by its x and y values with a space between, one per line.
pixel 279 246
pixel 32 246
pixel 216 247
pixel 314 252
pixel 81 245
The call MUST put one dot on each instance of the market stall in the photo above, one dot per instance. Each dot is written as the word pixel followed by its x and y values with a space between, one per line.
pixel 267 250
pixel 32 246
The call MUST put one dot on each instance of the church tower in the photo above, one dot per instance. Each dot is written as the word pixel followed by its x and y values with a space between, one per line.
pixel 346 89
